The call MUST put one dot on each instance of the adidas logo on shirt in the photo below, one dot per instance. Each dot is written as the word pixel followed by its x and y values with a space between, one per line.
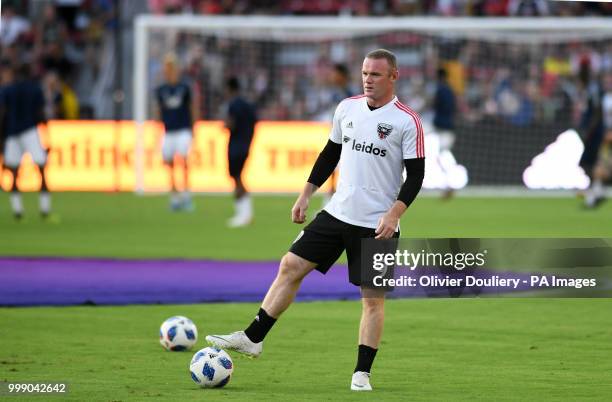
pixel 349 124
pixel 368 149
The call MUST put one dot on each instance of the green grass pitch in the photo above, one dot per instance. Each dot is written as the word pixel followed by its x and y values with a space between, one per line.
pixel 433 349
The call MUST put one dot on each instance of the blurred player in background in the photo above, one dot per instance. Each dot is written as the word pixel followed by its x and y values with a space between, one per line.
pixel 591 125
pixel 341 89
pixel 6 77
pixel 374 137
pixel 602 172
pixel 444 107
pixel 177 111
pixel 240 121
pixel 22 106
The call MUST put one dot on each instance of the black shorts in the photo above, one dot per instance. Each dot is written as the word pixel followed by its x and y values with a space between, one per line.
pixel 325 238
pixel 236 164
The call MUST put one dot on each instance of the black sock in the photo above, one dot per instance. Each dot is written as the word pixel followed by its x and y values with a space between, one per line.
pixel 365 358
pixel 260 326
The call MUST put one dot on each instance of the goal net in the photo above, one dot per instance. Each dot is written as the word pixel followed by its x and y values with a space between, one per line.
pixel 517 95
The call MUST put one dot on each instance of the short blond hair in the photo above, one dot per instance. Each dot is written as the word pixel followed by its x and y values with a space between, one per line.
pixel 384 54
pixel 170 58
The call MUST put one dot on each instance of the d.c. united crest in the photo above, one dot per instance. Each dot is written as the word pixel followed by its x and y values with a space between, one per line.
pixel 384 130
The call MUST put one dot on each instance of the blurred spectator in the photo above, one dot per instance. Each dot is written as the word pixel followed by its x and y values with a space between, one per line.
pixel 67 11
pixel 70 101
pixel 493 8
pixel 61 102
pixel 12 25
pixel 168 6
pixel 525 113
pixel 54 58
pixel 50 28
pixel 52 90
pixel 341 83
pixel 528 8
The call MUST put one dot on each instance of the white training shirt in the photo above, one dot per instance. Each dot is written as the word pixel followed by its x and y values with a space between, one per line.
pixel 374 146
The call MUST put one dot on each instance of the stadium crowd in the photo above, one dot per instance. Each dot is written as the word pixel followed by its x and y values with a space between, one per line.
pixel 475 8
pixel 518 82
pixel 60 41
pixel 493 79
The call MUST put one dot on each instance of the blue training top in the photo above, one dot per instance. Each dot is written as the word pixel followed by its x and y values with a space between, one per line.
pixel 593 107
pixel 244 117
pixel 23 102
pixel 444 107
pixel 175 106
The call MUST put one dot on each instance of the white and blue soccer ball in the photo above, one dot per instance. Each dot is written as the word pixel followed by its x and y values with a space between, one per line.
pixel 178 333
pixel 211 368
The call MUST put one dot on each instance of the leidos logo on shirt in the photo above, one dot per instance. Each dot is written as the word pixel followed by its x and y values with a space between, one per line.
pixel 368 149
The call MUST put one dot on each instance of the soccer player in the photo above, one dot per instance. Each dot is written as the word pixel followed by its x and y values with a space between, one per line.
pixel 444 120
pixel 591 125
pixel 240 121
pixel 373 137
pixel 602 172
pixel 177 111
pixel 21 110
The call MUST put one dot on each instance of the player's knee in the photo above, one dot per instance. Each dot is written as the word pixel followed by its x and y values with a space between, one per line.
pixel 373 305
pixel 292 268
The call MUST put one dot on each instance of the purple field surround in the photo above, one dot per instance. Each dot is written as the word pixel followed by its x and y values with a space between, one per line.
pixel 67 281
pixel 74 281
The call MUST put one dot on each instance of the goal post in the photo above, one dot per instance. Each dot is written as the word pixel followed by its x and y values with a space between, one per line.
pixel 279 52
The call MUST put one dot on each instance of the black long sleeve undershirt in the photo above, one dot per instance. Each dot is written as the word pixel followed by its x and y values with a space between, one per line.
pixel 325 164
pixel 415 172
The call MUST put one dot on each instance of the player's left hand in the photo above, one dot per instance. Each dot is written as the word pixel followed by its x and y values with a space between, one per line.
pixel 386 226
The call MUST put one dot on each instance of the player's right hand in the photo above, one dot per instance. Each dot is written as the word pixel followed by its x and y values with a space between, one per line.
pixel 298 212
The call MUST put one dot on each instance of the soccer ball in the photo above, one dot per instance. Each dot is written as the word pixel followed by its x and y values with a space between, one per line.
pixel 211 368
pixel 178 333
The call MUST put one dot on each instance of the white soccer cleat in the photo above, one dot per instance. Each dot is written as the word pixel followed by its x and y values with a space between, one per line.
pixel 239 221
pixel 175 204
pixel 236 341
pixel 361 381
